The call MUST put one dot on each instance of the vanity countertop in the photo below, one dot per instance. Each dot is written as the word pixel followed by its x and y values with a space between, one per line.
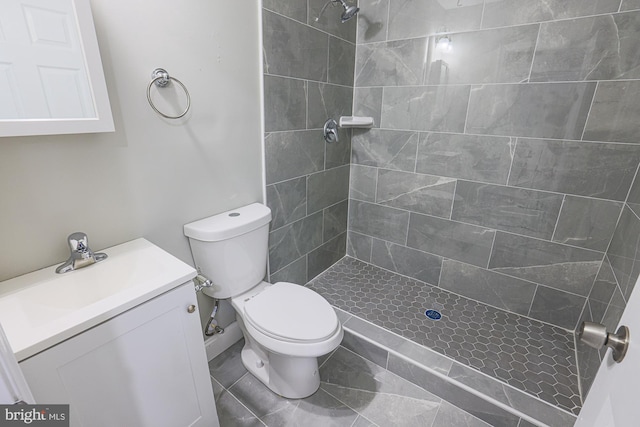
pixel 41 309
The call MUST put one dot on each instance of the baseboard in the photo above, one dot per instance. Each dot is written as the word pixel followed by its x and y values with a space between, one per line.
pixel 220 342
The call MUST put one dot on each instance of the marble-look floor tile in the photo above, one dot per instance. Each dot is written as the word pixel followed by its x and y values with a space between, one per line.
pixel 614 114
pixel 228 368
pixel 320 409
pixel 449 416
pixel 379 395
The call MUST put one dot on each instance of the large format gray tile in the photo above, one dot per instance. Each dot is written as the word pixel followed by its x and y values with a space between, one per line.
pixel 520 401
pixel 326 255
pixel 449 415
pixel 232 413
pixel 630 5
pixel 227 368
pixel 492 56
pixel 542 110
pixel 557 307
pixel 296 272
pixel 379 395
pixel 378 221
pixel 335 220
pixel 287 201
pixel 285 103
pixel 582 168
pixel 595 48
pixel 512 12
pixel 450 239
pixel 371 352
pixel 500 291
pixel 372 20
pixel 359 246
pixel 473 157
pixel 292 241
pixel 588 223
pixel 367 102
pixel 388 149
pixel 410 18
pixel 295 9
pixel 327 188
pixel 293 154
pixel 339 153
pixel 320 409
pixel 419 193
pixel 342 55
pixel 293 49
pixel 428 108
pixel 406 261
pixel 603 288
pixel 363 182
pixel 390 63
pixel 461 398
pixel 559 266
pixel 527 212
pixel 327 101
pixel 588 358
pixel 624 251
pixel 614 114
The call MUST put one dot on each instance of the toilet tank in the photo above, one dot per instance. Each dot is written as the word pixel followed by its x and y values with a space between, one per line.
pixel 231 249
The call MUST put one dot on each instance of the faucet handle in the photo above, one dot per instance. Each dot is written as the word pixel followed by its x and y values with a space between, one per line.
pixel 78 242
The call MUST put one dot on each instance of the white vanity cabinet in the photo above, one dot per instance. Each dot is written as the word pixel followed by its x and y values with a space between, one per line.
pixel 144 367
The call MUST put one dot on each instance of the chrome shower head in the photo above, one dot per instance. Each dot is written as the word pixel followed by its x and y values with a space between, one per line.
pixel 349 11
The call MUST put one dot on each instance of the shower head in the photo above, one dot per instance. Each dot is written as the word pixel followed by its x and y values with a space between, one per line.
pixel 349 11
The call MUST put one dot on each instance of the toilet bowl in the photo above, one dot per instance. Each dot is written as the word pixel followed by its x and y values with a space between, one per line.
pixel 286 326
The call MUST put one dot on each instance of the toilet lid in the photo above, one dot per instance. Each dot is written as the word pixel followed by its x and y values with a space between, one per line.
pixel 291 312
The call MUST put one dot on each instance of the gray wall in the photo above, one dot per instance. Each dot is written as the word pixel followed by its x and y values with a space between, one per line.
pixel 152 175
pixel 308 77
pixel 499 168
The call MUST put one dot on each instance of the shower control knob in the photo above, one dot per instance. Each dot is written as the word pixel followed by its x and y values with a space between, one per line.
pixel 191 308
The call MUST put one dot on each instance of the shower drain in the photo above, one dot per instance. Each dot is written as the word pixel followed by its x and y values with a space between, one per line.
pixel 433 314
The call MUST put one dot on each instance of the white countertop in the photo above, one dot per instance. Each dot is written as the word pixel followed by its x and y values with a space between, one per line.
pixel 41 309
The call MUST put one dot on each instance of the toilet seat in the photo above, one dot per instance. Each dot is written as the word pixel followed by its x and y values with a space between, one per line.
pixel 291 313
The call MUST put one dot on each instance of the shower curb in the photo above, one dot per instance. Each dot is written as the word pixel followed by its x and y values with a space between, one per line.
pixel 485 397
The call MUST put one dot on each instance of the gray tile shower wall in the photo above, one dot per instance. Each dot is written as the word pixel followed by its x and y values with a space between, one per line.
pixel 308 77
pixel 505 147
pixel 521 117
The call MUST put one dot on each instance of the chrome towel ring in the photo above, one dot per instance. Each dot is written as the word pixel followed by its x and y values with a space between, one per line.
pixel 162 78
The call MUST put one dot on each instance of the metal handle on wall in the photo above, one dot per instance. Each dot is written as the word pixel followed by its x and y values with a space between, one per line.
pixel 161 78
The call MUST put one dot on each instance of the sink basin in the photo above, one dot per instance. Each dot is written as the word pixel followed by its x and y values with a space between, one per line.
pixel 42 308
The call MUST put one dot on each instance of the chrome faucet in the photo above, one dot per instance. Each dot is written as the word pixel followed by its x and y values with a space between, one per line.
pixel 81 255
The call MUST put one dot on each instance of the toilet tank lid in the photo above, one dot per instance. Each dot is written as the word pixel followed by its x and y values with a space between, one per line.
pixel 229 224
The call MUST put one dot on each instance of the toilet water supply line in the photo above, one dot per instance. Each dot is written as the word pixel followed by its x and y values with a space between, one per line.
pixel 212 327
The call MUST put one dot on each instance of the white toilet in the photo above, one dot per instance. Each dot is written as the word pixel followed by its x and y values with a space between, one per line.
pixel 286 326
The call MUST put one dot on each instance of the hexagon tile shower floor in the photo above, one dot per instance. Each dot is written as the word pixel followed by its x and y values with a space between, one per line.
pixel 529 355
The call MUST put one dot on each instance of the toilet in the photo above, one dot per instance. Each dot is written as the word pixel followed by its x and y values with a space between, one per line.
pixel 286 326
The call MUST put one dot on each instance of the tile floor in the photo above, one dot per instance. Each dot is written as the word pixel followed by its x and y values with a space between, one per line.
pixel 353 392
pixel 529 355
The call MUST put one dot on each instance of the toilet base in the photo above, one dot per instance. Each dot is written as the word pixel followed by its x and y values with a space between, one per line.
pixel 290 377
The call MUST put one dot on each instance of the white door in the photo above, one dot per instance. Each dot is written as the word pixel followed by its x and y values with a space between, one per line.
pixel 13 387
pixel 42 68
pixel 613 398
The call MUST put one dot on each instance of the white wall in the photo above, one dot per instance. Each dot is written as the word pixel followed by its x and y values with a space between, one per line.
pixel 152 175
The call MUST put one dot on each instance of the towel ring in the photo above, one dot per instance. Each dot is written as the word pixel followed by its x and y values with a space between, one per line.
pixel 162 78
